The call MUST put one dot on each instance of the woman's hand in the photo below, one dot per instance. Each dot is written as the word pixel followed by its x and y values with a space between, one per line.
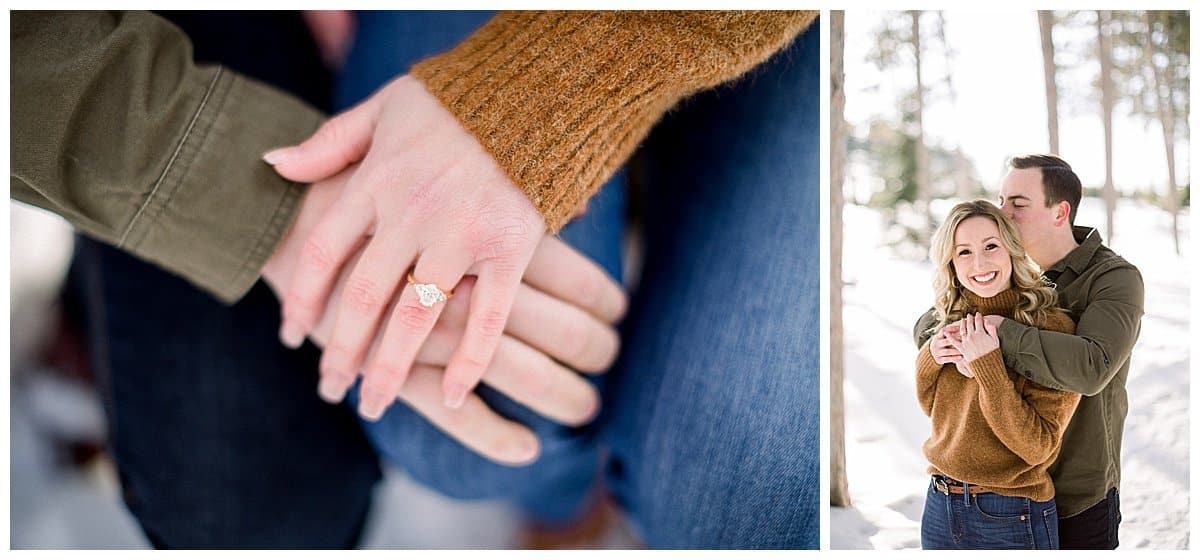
pixel 428 200
pixel 978 337
pixel 942 348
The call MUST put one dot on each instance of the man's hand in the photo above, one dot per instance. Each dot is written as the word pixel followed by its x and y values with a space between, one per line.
pixel 993 321
pixel 561 314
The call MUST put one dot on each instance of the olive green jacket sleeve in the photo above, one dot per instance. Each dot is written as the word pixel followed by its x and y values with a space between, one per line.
pixel 116 129
pixel 1104 338
pixel 921 327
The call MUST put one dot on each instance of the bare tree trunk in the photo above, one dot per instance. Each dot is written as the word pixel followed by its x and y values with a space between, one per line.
pixel 839 488
pixel 918 115
pixel 1164 108
pixel 1049 69
pixel 962 183
pixel 962 180
pixel 1107 100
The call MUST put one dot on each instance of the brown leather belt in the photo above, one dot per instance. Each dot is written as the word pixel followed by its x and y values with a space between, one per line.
pixel 949 486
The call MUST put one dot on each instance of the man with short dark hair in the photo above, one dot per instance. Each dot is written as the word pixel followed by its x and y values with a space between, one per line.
pixel 1104 294
pixel 1059 182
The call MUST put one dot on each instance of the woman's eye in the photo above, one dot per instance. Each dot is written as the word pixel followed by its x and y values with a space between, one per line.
pixel 992 246
pixel 963 253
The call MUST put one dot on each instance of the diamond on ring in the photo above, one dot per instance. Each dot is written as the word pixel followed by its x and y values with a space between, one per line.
pixel 430 294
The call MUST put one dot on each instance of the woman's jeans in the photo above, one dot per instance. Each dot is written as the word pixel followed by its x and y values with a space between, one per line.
pixel 709 429
pixel 987 521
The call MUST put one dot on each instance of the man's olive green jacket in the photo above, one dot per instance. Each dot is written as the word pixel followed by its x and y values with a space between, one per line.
pixel 1104 294
pixel 115 128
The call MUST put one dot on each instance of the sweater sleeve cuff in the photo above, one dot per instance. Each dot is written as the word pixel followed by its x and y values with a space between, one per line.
pixel 217 212
pixel 925 363
pixel 561 99
pixel 990 372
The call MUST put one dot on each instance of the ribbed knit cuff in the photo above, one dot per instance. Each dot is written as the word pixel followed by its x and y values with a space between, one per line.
pixel 561 99
pixel 990 372
pixel 925 363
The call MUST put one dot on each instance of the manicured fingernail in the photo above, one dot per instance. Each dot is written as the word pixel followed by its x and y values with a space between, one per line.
pixel 279 155
pixel 456 395
pixel 291 334
pixel 332 389
pixel 372 406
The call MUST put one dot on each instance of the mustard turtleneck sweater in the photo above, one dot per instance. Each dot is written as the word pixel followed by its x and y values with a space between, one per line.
pixel 998 430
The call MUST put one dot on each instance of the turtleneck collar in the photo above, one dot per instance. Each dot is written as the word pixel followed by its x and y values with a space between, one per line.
pixel 1000 304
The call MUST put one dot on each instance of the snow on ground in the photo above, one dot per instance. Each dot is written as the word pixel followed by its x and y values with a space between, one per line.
pixel 885 428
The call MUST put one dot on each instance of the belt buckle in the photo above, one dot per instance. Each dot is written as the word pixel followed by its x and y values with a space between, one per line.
pixel 941 486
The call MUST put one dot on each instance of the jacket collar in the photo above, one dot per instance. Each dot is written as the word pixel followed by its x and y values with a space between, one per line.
pixel 1077 260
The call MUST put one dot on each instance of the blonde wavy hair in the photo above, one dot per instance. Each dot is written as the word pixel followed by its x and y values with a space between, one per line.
pixel 1036 296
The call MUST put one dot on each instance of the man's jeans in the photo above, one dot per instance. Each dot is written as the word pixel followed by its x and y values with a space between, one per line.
pixel 708 434
pixel 1096 528
pixel 987 521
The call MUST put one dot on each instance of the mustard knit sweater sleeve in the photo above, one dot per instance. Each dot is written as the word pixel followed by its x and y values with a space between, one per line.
pixel 928 372
pixel 561 99
pixel 1028 418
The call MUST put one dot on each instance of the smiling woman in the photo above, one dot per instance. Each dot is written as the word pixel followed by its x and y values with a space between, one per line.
pixel 994 432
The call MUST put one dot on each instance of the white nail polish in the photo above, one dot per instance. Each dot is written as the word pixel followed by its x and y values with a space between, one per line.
pixel 277 156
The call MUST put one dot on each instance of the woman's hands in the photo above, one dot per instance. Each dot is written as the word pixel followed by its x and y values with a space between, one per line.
pixel 427 198
pixel 977 338
pixel 562 314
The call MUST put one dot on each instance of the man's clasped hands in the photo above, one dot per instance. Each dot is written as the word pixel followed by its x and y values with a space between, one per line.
pixel 400 188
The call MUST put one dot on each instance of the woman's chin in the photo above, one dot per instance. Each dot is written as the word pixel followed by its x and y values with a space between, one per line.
pixel 986 291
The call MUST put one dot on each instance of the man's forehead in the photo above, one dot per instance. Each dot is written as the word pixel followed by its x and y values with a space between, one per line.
pixel 1022 183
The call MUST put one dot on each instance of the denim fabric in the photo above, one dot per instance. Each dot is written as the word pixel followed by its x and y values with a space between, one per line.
pixel 987 521
pixel 1096 528
pixel 713 419
pixel 710 418
pixel 708 434
pixel 217 433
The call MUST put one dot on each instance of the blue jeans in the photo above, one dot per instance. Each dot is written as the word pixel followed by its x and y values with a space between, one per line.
pixel 708 436
pixel 987 521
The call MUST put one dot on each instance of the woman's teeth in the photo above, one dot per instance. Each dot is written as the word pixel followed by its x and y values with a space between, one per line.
pixel 984 279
